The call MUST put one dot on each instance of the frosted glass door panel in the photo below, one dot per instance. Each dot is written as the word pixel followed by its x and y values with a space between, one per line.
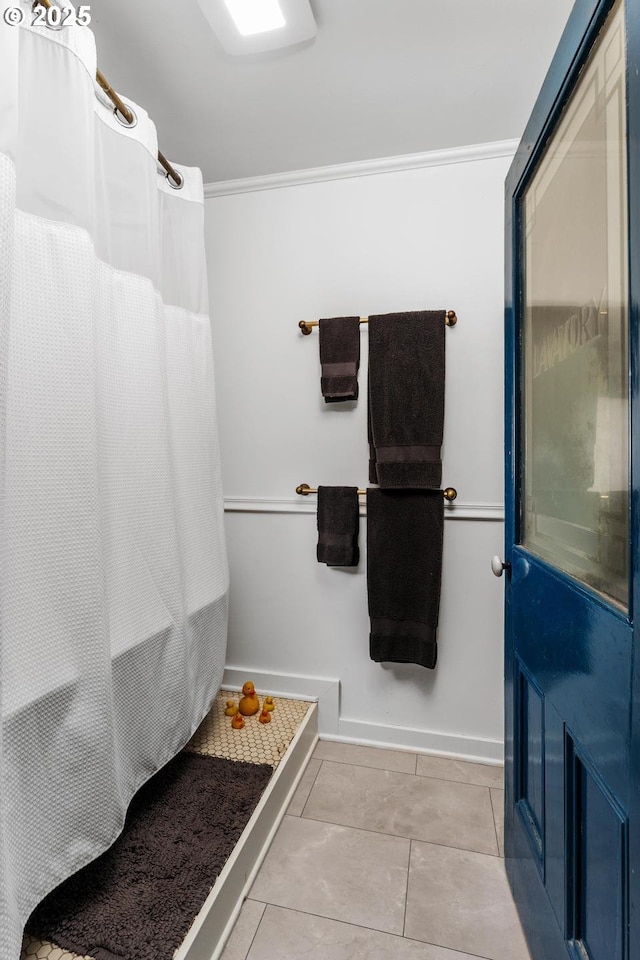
pixel 575 505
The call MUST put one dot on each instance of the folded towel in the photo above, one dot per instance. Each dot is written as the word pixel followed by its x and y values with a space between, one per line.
pixel 338 523
pixel 406 398
pixel 339 358
pixel 404 565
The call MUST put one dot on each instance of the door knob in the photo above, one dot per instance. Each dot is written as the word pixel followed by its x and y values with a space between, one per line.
pixel 498 566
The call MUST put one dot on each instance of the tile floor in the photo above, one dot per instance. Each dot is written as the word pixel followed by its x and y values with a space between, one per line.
pixel 384 855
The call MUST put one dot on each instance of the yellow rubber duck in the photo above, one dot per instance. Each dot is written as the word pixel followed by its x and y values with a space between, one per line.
pixel 231 709
pixel 268 704
pixel 249 703
pixel 237 722
pixel 265 717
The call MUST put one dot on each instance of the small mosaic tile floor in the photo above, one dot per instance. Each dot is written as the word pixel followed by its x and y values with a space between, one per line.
pixel 256 743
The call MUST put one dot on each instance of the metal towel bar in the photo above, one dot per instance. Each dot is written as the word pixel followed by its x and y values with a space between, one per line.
pixel 304 490
pixel 307 326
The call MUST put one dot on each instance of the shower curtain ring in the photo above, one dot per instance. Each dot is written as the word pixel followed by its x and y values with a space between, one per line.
pixel 178 184
pixel 122 120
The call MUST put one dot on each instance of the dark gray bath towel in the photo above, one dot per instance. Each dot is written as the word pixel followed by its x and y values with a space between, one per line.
pixel 339 358
pixel 404 565
pixel 338 524
pixel 406 398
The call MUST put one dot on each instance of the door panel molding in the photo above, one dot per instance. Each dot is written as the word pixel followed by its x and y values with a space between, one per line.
pixel 529 773
pixel 597 862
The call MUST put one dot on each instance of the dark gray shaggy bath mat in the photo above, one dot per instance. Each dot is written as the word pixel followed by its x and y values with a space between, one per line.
pixel 138 900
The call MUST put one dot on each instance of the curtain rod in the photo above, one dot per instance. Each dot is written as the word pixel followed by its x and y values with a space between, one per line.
pixel 123 109
pixel 306 326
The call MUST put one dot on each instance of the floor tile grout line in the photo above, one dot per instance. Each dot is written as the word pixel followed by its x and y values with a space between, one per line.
pixel 495 831
pixel 400 836
pixel 365 766
pixel 304 807
pixel 406 892
pixel 255 932
pixel 423 776
pixel 361 926
pixel 495 822
pixel 466 783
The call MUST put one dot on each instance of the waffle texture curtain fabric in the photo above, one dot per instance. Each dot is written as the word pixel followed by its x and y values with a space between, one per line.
pixel 113 571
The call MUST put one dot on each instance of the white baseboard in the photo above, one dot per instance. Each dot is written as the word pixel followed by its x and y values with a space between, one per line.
pixel 453 745
pixel 331 726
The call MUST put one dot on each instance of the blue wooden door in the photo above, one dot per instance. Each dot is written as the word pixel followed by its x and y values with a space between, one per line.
pixel 573 476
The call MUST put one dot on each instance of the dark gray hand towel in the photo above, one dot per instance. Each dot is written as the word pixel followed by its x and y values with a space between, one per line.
pixel 339 358
pixel 406 398
pixel 338 524
pixel 404 564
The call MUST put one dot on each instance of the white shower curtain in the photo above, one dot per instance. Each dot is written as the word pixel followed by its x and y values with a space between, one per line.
pixel 113 573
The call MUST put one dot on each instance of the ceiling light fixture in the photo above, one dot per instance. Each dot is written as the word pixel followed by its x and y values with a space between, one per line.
pixel 257 26
pixel 255 16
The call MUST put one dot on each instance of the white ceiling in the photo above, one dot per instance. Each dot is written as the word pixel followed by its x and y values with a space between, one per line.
pixel 382 78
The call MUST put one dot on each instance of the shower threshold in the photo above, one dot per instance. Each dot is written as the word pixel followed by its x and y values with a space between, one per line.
pixel 212 926
pixel 287 744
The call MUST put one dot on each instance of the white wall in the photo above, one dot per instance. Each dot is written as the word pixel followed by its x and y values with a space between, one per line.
pixel 404 240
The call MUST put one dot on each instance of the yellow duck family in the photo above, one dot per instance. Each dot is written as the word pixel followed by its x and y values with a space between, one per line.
pixel 248 706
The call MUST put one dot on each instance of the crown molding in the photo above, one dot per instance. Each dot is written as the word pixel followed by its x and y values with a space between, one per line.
pixel 363 168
